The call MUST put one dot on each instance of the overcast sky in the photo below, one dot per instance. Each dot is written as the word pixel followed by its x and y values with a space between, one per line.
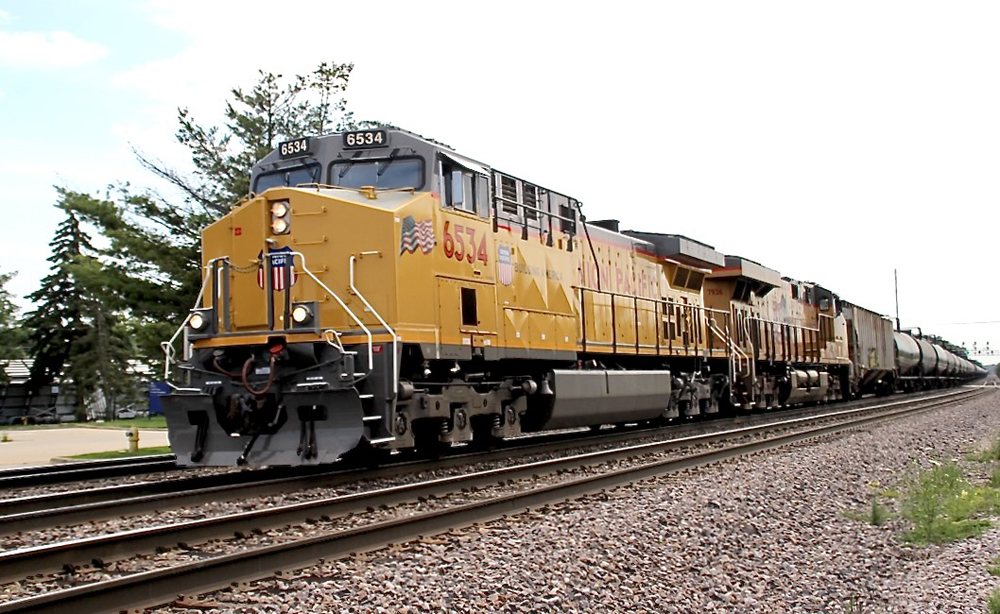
pixel 833 142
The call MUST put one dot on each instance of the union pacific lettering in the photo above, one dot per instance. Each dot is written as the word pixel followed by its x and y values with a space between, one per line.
pixel 621 280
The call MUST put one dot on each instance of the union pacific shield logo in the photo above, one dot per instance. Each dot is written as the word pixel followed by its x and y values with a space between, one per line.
pixel 282 269
pixel 416 234
pixel 505 269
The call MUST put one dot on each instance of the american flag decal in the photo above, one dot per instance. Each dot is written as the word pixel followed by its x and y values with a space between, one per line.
pixel 282 269
pixel 505 270
pixel 416 234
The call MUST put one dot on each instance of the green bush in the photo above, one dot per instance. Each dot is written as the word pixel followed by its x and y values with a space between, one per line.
pixel 942 506
pixel 993 605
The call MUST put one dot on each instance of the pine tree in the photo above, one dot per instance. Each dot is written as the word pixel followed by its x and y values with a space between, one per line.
pixel 74 331
pixel 57 321
pixel 153 258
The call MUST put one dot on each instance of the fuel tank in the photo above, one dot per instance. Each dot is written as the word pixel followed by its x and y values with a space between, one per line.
pixel 583 398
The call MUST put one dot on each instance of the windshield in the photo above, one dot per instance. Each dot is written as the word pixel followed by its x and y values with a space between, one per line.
pixel 385 173
pixel 287 177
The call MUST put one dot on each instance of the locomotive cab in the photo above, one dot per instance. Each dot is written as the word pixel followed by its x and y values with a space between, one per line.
pixel 360 261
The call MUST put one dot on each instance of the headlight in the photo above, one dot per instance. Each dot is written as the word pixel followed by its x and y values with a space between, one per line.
pixel 197 321
pixel 279 226
pixel 281 213
pixel 301 314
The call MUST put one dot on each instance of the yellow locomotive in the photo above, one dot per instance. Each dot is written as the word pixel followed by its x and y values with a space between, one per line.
pixel 380 290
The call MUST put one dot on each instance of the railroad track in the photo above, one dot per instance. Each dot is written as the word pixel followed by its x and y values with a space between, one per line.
pixel 477 497
pixel 21 477
pixel 95 504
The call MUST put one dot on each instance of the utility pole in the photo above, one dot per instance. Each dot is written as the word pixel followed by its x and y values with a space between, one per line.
pixel 895 275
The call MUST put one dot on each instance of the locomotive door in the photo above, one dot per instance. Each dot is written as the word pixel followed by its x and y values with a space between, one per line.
pixel 467 316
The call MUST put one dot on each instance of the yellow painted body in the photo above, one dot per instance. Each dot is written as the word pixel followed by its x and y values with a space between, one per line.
pixel 632 310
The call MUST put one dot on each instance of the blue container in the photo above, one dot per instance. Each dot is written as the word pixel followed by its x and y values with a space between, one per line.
pixel 156 389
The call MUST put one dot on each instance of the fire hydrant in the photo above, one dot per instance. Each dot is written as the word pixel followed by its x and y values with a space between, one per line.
pixel 133 439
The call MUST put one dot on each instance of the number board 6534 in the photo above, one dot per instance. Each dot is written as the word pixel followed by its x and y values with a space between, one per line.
pixel 366 139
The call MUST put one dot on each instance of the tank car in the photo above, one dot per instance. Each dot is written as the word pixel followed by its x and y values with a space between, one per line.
pixel 922 364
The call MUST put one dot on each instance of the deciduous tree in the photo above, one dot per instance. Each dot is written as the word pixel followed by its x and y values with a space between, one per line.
pixel 152 261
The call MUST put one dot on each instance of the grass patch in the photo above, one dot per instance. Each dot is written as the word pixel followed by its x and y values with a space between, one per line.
pixel 993 604
pixel 942 506
pixel 994 568
pixel 878 514
pixel 153 422
pixel 122 454
pixel 990 454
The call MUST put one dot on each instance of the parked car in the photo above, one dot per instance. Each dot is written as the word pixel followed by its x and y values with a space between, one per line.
pixel 48 415
pixel 126 413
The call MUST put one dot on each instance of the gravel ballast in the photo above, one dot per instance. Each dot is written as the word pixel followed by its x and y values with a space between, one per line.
pixel 776 532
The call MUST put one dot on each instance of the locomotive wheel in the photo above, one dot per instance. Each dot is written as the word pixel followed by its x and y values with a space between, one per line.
pixel 426 440
pixel 365 454
pixel 482 433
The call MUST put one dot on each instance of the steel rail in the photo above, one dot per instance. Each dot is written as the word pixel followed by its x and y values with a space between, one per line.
pixel 40 511
pixel 43 559
pixel 94 504
pixel 8 472
pixel 88 470
pixel 110 501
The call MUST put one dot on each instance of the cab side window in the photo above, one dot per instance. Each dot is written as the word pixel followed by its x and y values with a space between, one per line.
pixel 463 189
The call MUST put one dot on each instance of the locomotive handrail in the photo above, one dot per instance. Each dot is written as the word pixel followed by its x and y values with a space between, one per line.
pixel 749 334
pixel 727 340
pixel 697 312
pixel 395 356
pixel 343 305
pixel 766 321
pixel 654 300
pixel 168 346
pixel 530 208
pixel 738 356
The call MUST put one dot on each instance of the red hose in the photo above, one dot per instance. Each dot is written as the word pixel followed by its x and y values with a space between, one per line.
pixel 246 372
pixel 218 367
